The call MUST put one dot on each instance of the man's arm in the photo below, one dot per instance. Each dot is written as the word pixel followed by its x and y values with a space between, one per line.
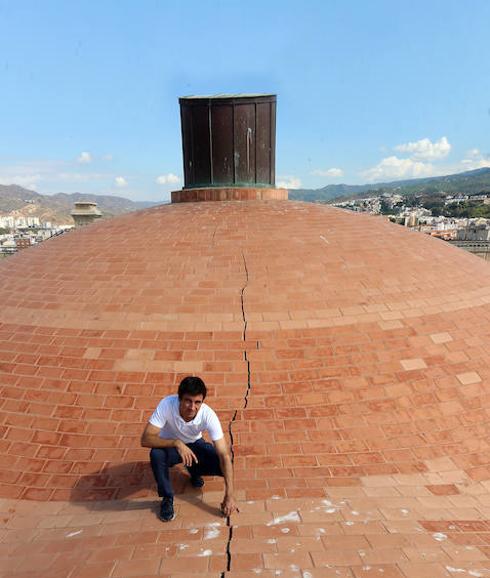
pixel 150 438
pixel 228 506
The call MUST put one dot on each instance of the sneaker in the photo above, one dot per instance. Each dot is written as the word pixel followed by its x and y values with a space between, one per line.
pixel 197 482
pixel 167 513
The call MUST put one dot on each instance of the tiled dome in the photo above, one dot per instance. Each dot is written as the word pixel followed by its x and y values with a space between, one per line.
pixel 357 347
pixel 347 357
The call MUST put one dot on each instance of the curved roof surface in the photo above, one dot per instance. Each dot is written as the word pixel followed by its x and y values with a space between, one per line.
pixel 347 357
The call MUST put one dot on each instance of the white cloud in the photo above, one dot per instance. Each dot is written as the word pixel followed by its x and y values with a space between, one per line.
pixel 29 181
pixel 168 179
pixel 288 182
pixel 50 176
pixel 120 182
pixel 77 177
pixel 424 149
pixel 475 160
pixel 84 158
pixel 28 174
pixel 395 168
pixel 333 172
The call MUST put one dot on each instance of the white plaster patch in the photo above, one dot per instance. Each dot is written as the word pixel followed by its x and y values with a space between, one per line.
pixel 182 546
pixel 71 534
pixel 439 536
pixel 212 531
pixel 204 553
pixel 290 517
pixel 193 531
pixel 285 530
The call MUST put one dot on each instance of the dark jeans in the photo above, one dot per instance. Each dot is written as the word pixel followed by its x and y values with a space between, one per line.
pixel 162 459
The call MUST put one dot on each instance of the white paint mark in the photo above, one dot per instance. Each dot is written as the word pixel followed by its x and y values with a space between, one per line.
pixel 307 574
pixel 294 568
pixel 285 530
pixel 193 531
pixel 257 570
pixel 349 523
pixel 475 573
pixel 456 570
pixel 323 239
pixel 330 510
pixel 290 517
pixel 276 497
pixel 355 513
pixel 439 536
pixel 271 541
pixel 404 511
pixel 182 546
pixel 211 533
pixel 205 553
pixel 71 534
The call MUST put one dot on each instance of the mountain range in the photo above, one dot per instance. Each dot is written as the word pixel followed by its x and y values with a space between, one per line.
pixel 20 202
pixel 467 182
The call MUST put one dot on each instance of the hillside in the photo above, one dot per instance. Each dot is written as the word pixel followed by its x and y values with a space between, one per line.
pixel 17 201
pixel 467 182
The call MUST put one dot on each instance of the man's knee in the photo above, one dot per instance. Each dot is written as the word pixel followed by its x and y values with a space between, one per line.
pixel 158 455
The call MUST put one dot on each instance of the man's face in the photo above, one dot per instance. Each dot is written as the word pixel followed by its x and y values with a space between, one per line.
pixel 189 405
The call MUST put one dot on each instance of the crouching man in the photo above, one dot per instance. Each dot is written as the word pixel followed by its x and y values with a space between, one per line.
pixel 174 434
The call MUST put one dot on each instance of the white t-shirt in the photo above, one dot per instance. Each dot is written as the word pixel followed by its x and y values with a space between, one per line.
pixel 167 417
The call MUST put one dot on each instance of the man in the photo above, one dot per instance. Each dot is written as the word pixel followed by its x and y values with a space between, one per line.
pixel 174 432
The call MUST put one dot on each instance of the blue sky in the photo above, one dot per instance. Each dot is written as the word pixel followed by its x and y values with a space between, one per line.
pixel 367 90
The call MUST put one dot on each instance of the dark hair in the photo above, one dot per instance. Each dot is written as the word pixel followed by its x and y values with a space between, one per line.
pixel 192 386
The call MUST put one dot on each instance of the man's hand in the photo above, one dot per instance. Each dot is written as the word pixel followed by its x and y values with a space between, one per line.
pixel 228 506
pixel 187 455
